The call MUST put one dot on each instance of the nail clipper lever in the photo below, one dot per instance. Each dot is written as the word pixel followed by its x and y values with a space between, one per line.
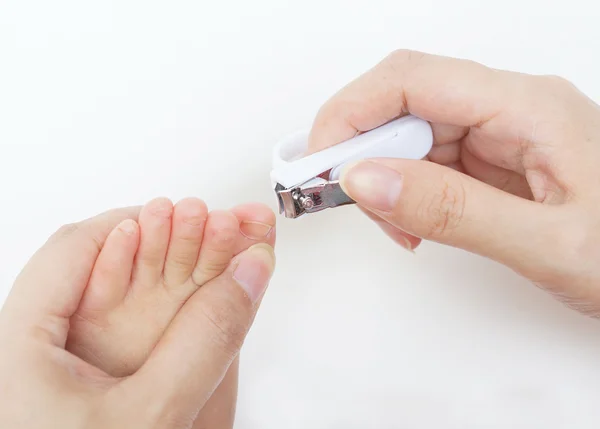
pixel 310 197
pixel 298 181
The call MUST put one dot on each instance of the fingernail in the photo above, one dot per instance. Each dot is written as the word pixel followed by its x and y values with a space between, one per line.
pixel 406 244
pixel 128 226
pixel 396 235
pixel 537 184
pixel 254 270
pixel 373 185
pixel 255 230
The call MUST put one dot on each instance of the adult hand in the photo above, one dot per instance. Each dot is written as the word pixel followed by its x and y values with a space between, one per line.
pixel 513 174
pixel 44 386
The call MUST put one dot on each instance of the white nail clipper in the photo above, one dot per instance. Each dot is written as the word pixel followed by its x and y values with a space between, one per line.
pixel 297 182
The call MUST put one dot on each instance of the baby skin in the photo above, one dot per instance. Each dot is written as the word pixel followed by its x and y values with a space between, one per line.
pixel 148 269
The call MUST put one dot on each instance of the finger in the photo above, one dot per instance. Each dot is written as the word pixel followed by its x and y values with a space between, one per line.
pixel 444 134
pixel 409 242
pixel 516 112
pixel 500 178
pixel 205 337
pixel 436 203
pixel 411 82
pixel 219 411
pixel 48 290
pixel 445 154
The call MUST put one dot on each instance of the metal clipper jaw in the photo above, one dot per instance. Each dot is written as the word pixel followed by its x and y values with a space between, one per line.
pixel 309 184
pixel 310 197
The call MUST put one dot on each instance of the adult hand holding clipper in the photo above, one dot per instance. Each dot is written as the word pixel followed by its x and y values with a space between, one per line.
pixel 308 184
pixel 513 173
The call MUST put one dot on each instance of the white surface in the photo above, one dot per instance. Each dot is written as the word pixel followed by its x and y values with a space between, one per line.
pixel 111 103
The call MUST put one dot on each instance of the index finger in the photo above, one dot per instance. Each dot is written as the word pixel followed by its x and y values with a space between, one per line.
pixel 502 117
pixel 438 89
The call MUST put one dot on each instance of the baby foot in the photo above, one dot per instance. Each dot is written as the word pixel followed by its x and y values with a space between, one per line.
pixel 146 271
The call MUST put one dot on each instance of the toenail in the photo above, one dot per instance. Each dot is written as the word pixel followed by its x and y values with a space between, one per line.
pixel 128 226
pixel 162 208
pixel 194 220
pixel 254 270
pixel 255 230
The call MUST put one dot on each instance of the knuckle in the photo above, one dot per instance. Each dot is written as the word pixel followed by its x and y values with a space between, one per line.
pixel 401 55
pixel 401 59
pixel 557 82
pixel 212 266
pixel 188 239
pixel 181 260
pixel 405 56
pixel 226 320
pixel 66 230
pixel 398 55
pixel 81 233
pixel 443 210
pixel 150 261
pixel 560 91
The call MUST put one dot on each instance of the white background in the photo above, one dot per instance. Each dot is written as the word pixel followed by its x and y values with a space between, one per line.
pixel 111 103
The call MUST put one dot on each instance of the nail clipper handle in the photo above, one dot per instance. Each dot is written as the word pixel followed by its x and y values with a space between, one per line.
pixel 408 138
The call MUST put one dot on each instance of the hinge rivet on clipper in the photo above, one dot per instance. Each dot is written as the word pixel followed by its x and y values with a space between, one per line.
pixel 306 202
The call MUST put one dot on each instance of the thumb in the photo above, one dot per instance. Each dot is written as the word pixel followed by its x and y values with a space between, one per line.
pixel 437 203
pixel 204 338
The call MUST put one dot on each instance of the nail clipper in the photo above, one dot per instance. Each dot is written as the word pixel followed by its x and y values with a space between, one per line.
pixel 311 184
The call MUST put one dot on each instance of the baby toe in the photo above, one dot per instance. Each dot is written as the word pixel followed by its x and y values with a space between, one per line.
pixel 218 246
pixel 189 219
pixel 111 276
pixel 155 230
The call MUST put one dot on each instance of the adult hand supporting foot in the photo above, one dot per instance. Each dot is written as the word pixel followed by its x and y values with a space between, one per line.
pixel 44 386
pixel 513 175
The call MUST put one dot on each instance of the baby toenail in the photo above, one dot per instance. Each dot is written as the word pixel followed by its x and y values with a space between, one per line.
pixel 195 220
pixel 255 230
pixel 128 226
pixel 162 209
